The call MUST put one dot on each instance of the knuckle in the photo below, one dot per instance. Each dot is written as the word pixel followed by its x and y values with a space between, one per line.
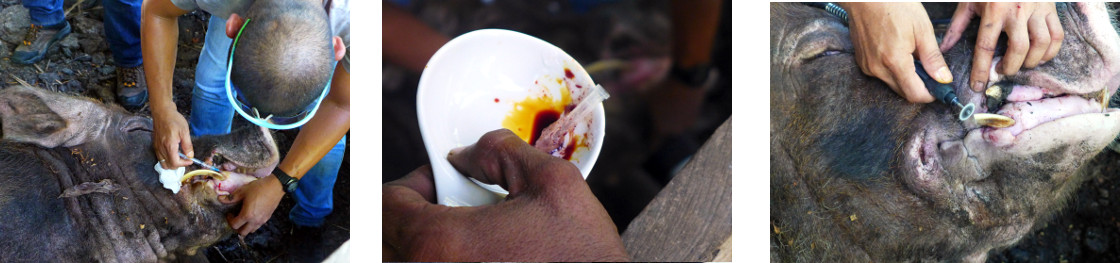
pixel 1040 37
pixel 559 175
pixel 986 44
pixel 890 63
pixel 497 139
pixel 1058 36
pixel 1020 45
pixel 933 56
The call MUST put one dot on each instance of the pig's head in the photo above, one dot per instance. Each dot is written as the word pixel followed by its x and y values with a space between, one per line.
pixel 106 142
pixel 859 174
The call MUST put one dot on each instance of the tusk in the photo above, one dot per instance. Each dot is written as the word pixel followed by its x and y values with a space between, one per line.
pixel 1104 98
pixel 212 174
pixel 993 120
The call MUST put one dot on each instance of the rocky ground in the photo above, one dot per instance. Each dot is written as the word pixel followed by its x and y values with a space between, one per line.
pixel 82 64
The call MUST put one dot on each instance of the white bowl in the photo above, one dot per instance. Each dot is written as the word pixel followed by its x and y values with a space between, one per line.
pixel 469 87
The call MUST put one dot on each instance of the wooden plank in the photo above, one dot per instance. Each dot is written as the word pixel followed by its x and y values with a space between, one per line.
pixel 689 220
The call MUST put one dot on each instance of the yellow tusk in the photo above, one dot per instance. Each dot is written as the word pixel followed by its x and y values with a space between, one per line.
pixel 993 120
pixel 216 175
pixel 1104 98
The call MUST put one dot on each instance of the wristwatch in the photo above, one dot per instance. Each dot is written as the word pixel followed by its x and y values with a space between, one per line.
pixel 693 77
pixel 287 183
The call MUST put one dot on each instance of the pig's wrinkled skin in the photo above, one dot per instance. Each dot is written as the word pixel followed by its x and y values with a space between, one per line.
pixel 53 142
pixel 860 175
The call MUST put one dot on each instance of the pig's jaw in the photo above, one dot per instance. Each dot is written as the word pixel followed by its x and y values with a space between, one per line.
pixel 1045 119
pixel 235 178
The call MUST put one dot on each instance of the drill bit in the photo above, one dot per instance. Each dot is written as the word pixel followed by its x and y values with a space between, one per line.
pixel 943 92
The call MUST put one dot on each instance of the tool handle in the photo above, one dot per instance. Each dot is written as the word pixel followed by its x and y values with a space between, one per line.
pixel 941 92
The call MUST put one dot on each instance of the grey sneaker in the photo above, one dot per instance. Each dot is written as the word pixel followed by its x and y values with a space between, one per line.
pixel 131 89
pixel 38 40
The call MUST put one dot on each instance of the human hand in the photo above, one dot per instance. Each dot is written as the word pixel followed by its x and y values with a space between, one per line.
pixel 170 131
pixel 887 37
pixel 1034 35
pixel 260 199
pixel 549 215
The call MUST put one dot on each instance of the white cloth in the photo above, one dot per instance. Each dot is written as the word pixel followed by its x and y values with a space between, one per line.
pixel 171 179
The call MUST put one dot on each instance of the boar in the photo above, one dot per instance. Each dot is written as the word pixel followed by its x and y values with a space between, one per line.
pixel 860 175
pixel 77 183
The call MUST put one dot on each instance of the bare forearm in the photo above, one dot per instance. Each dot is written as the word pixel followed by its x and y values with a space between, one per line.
pixel 323 131
pixel 158 39
pixel 694 30
pixel 407 41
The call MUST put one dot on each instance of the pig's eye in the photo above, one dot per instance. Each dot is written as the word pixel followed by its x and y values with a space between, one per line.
pixel 824 54
pixel 827 53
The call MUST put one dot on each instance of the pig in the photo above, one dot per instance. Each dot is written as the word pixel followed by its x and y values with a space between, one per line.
pixel 857 174
pixel 78 184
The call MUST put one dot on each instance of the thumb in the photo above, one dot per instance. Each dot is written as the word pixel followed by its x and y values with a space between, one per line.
pixel 234 197
pixel 932 60
pixel 185 144
pixel 403 202
pixel 502 158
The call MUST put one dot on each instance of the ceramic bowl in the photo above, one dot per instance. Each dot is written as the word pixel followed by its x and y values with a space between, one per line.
pixel 472 84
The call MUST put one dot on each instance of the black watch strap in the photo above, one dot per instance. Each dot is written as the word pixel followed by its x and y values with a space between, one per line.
pixel 287 182
pixel 693 77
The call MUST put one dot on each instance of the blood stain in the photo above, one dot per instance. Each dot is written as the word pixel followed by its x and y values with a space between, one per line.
pixel 543 119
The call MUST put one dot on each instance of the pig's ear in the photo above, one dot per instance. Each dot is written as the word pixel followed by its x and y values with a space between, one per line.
pixel 24 117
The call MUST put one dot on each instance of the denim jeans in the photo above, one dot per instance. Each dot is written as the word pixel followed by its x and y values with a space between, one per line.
pixel 211 113
pixel 122 25
pixel 315 193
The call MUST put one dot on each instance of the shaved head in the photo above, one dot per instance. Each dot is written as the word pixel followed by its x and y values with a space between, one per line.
pixel 283 58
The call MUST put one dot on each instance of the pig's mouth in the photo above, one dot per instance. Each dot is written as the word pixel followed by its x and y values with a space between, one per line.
pixel 1047 118
pixel 1033 106
pixel 232 176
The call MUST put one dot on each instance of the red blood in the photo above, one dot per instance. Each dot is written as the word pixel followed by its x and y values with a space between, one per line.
pixel 544 118
pixel 569 151
pixel 578 86
pixel 495 100
pixel 568 73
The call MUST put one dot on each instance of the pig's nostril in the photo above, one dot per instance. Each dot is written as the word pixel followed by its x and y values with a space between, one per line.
pixel 922 156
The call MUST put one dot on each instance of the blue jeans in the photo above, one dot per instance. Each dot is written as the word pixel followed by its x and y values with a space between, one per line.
pixel 211 113
pixel 315 194
pixel 122 25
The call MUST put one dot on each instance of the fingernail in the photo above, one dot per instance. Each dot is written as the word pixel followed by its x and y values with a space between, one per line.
pixel 977 85
pixel 944 76
pixel 456 150
pixel 190 154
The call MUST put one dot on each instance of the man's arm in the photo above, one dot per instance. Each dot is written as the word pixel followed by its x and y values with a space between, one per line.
pixel 407 41
pixel 314 141
pixel 159 34
pixel 323 131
